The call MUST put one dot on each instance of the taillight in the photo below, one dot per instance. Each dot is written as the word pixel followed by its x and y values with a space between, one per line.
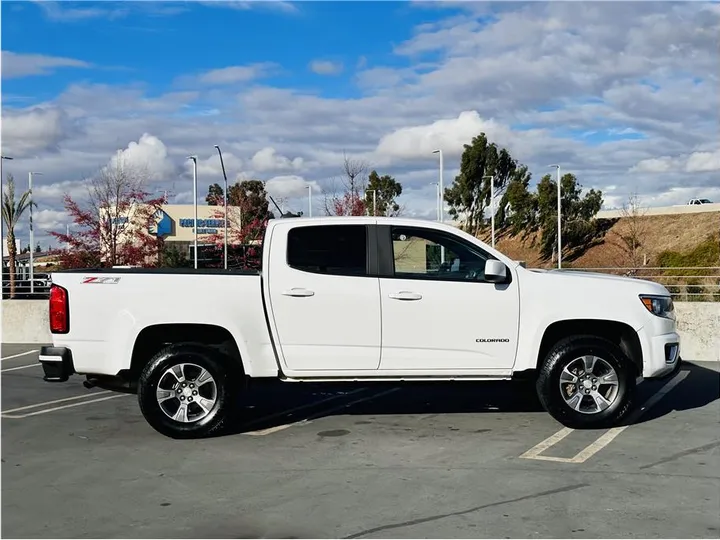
pixel 59 310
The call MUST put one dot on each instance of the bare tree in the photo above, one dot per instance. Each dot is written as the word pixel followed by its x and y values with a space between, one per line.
pixel 114 219
pixel 633 232
pixel 346 199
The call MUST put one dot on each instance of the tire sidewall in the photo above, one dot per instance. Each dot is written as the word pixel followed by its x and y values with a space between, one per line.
pixel 565 353
pixel 204 357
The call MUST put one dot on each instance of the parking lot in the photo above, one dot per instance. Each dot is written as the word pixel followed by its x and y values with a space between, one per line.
pixel 359 461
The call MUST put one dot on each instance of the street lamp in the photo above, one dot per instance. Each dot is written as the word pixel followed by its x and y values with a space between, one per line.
pixel 32 242
pixel 374 192
pixel 442 205
pixel 309 188
pixel 440 185
pixel 492 207
pixel 195 223
pixel 559 217
pixel 437 200
pixel 225 194
pixel 2 237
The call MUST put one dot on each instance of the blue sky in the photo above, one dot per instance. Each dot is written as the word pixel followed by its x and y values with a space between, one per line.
pixel 611 90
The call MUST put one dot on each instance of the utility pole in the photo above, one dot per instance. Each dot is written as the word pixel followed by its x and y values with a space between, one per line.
pixel 225 194
pixel 559 217
pixel 32 242
pixel 309 188
pixel 195 223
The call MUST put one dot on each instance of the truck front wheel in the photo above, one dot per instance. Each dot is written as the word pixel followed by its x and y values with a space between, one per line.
pixel 586 382
pixel 187 391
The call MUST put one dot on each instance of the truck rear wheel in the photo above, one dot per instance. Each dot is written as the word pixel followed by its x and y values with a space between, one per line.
pixel 586 382
pixel 187 391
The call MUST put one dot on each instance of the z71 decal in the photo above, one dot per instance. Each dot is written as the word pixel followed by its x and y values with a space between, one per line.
pixel 101 280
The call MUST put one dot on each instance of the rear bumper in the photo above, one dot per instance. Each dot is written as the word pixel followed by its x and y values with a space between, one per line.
pixel 57 363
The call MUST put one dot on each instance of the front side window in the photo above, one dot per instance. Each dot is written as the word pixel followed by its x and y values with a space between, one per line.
pixel 420 253
pixel 328 249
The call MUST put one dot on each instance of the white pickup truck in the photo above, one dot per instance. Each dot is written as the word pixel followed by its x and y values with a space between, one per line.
pixel 359 299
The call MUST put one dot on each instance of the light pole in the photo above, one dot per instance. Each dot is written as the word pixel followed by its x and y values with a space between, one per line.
pixel 225 194
pixel 195 223
pixel 32 242
pixel 2 196
pixel 559 217
pixel 437 200
pixel 492 207
pixel 442 205
pixel 309 188
pixel 440 185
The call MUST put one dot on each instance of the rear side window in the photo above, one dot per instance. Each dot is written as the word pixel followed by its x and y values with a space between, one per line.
pixel 328 249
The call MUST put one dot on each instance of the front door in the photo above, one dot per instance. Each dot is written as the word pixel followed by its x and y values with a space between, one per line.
pixel 325 306
pixel 438 312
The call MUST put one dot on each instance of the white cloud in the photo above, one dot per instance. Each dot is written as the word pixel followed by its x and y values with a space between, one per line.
pixel 15 65
pixel 703 161
pixel 33 130
pixel 150 154
pixel 290 186
pixel 449 135
pixel 237 74
pixel 655 165
pixel 268 159
pixel 326 67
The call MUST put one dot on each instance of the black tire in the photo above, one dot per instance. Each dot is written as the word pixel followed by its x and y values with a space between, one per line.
pixel 227 384
pixel 563 354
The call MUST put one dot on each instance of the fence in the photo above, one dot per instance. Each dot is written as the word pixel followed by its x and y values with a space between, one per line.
pixel 38 289
pixel 685 283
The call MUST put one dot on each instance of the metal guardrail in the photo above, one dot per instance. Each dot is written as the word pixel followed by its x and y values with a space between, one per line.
pixel 23 290
pixel 688 283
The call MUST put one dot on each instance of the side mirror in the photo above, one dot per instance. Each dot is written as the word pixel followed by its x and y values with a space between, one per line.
pixel 495 271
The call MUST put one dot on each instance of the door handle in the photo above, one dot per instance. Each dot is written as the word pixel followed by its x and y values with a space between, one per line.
pixel 405 295
pixel 298 292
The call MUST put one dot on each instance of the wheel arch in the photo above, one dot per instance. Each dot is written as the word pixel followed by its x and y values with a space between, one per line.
pixel 620 333
pixel 151 339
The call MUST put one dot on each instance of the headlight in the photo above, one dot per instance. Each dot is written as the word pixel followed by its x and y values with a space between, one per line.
pixel 662 306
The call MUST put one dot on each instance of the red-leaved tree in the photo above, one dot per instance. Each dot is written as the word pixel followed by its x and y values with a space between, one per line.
pixel 248 215
pixel 112 223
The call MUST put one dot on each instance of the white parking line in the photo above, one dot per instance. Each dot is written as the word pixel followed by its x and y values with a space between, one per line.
pixel 275 429
pixel 19 367
pixel 20 354
pixel 52 409
pixel 54 401
pixel 607 437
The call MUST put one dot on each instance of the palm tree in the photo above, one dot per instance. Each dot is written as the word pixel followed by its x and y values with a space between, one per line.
pixel 11 213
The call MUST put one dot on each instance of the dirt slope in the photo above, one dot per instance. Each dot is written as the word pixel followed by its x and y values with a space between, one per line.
pixel 679 232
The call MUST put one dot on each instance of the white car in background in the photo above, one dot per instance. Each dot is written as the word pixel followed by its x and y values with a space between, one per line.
pixel 700 201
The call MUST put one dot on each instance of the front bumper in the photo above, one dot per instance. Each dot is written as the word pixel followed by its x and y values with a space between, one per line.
pixel 57 363
pixel 664 356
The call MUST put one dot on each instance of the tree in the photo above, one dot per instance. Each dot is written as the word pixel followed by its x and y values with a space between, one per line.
pixel 12 211
pixel 215 195
pixel 579 225
pixel 522 216
pixel 381 192
pixel 346 200
pixel 631 237
pixel 113 222
pixel 248 214
pixel 469 195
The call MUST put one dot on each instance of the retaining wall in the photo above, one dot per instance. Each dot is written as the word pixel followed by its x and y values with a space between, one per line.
pixel 26 321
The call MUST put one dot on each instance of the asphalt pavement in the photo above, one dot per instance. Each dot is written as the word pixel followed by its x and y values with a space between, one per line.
pixel 443 460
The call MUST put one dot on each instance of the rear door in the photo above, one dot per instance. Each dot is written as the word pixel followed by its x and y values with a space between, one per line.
pixel 325 296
